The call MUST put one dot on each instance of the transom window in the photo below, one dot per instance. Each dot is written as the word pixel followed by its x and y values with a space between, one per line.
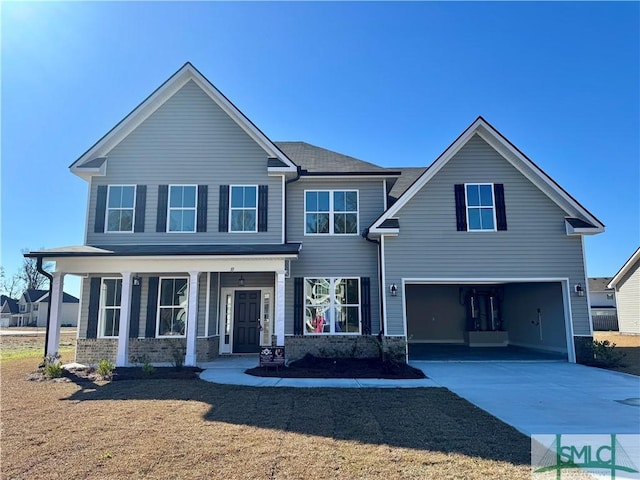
pixel 110 298
pixel 182 208
pixel 481 215
pixel 243 208
pixel 332 212
pixel 172 307
pixel 332 305
pixel 120 208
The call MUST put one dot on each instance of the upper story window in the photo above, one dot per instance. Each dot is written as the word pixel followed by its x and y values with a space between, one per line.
pixel 331 212
pixel 172 307
pixel 481 214
pixel 120 208
pixel 243 210
pixel 182 208
pixel 332 305
pixel 110 298
pixel 23 308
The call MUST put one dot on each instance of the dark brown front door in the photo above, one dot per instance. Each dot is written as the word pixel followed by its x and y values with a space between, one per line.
pixel 246 328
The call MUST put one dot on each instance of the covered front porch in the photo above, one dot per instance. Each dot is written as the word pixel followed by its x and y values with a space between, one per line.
pixel 166 304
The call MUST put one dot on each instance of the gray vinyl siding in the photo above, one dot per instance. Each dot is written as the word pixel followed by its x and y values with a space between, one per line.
pixel 188 140
pixel 334 255
pixel 628 300
pixel 534 246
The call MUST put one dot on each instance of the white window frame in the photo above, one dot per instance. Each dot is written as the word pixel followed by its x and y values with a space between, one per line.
pixel 170 209
pixel 493 208
pixel 159 307
pixel 133 209
pixel 231 209
pixel 104 307
pixel 332 305
pixel 331 213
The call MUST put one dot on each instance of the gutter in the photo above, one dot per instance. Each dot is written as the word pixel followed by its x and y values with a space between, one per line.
pixel 365 235
pixel 50 277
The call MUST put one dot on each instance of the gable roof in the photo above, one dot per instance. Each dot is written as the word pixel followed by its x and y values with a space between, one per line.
pixel 11 303
pixel 91 160
pixel 513 155
pixel 633 259
pixel 35 296
pixel 599 284
pixel 408 175
pixel 315 160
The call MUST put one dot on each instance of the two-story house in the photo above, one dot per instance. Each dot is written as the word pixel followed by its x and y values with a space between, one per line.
pixel 33 306
pixel 603 304
pixel 205 237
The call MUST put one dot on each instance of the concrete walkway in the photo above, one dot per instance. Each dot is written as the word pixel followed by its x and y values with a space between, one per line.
pixel 545 398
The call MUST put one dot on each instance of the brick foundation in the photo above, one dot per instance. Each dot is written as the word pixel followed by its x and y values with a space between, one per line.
pixel 583 349
pixel 360 346
pixel 92 350
pixel 207 349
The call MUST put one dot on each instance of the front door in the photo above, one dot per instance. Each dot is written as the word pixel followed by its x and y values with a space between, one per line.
pixel 246 325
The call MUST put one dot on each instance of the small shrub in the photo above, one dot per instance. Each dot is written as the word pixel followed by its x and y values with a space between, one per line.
pixel 605 354
pixel 53 370
pixel 145 361
pixel 178 354
pixel 105 369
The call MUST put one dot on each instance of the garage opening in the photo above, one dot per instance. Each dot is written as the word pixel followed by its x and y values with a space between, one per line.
pixel 488 321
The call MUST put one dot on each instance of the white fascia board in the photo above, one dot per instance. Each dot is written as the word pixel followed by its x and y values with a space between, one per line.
pixel 625 268
pixel 389 232
pixel 573 231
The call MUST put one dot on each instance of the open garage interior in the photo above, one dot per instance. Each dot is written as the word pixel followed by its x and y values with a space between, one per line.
pixel 486 321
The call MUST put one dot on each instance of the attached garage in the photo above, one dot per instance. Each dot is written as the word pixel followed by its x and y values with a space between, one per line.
pixel 487 316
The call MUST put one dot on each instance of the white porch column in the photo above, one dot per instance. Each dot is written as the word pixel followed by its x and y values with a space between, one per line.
pixel 53 341
pixel 280 307
pixel 192 319
pixel 122 357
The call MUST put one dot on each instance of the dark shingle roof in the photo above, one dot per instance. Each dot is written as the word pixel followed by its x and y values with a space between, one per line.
pixel 407 177
pixel 599 284
pixel 93 163
pixel 579 223
pixel 318 160
pixel 43 295
pixel 34 295
pixel 12 303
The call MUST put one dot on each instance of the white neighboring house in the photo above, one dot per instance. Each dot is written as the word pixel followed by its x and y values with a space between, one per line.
pixel 8 307
pixel 603 304
pixel 33 306
pixel 627 286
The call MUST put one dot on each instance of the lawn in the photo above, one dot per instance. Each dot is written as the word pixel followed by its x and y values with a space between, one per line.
pixel 193 429
pixel 628 344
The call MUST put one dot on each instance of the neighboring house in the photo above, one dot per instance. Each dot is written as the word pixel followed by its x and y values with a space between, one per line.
pixel 8 308
pixel 627 286
pixel 203 234
pixel 603 304
pixel 34 304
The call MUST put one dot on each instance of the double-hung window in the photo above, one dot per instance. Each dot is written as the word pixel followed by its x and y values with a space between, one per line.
pixel 120 208
pixel 172 307
pixel 481 213
pixel 332 305
pixel 182 208
pixel 243 208
pixel 331 212
pixel 110 298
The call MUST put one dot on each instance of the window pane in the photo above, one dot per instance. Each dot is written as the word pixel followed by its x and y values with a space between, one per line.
pixel 351 201
pixel 323 223
pixel 126 220
pixel 474 219
pixel 175 220
pixel 311 201
pixel 311 223
pixel 352 291
pixel 113 221
pixel 180 297
pixel 473 196
pixel 339 223
pixel 487 218
pixel 127 197
pixel 250 197
pixel 166 319
pixel 236 220
pixel 115 194
pixel 166 292
pixel 175 196
pixel 189 197
pixel 486 197
pixel 111 322
pixel 338 201
pixel 188 220
pixel 316 320
pixel 351 223
pixel 237 197
pixel 323 201
pixel 249 220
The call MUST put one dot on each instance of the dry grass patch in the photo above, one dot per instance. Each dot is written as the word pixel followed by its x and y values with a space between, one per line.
pixel 193 429
pixel 627 344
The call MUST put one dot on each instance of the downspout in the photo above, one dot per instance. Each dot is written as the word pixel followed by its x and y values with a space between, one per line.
pixel 50 277
pixel 287 182
pixel 365 234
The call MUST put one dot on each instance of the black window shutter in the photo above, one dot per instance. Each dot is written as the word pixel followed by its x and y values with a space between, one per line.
pixel 461 208
pixel 223 212
pixel 134 318
pixel 203 195
pixel 163 198
pixel 101 207
pixel 365 304
pixel 501 211
pixel 298 305
pixel 263 206
pixel 152 308
pixel 141 205
pixel 94 307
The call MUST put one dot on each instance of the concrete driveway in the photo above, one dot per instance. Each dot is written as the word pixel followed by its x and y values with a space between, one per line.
pixel 545 397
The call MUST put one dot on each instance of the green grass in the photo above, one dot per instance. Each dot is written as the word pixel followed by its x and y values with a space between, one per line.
pixel 28 352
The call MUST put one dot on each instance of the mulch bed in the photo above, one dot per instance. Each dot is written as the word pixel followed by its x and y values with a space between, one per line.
pixel 121 373
pixel 316 367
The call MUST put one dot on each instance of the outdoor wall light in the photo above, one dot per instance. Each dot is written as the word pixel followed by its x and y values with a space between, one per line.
pixel 241 281
pixel 137 281
pixel 579 290
pixel 393 289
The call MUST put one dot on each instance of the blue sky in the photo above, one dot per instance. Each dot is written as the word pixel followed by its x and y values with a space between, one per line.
pixel 390 83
